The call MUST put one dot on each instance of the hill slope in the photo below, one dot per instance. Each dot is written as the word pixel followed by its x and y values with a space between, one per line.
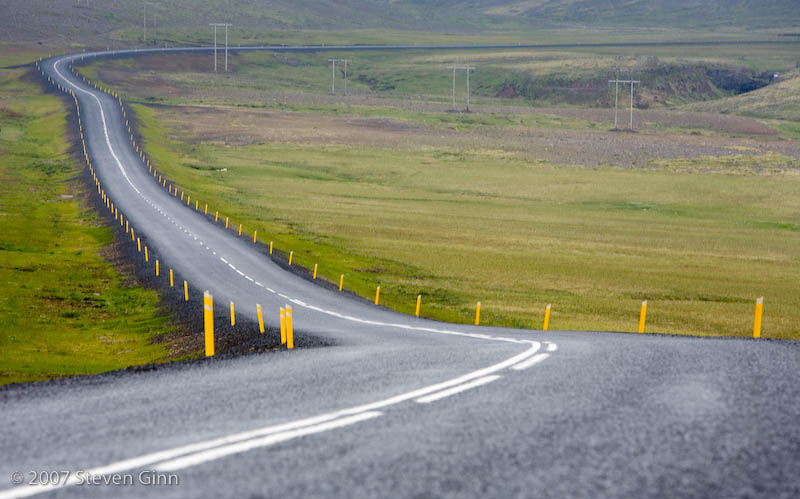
pixel 34 19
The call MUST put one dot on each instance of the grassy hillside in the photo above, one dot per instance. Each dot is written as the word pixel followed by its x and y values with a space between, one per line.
pixel 77 21
pixel 461 220
pixel 677 13
pixel 542 77
pixel 64 310
pixel 779 102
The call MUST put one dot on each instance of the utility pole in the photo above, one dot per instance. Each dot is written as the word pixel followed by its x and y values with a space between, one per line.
pixel 454 86
pixel 215 44
pixel 616 101
pixel 468 70
pixel 144 23
pixel 345 76
pixel 153 23
pixel 333 74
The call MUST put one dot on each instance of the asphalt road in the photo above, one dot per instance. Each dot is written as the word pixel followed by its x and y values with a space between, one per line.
pixel 394 405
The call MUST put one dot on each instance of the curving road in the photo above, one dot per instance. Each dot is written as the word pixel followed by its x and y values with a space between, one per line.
pixel 395 405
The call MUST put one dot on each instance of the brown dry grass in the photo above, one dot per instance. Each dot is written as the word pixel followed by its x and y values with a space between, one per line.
pixel 584 147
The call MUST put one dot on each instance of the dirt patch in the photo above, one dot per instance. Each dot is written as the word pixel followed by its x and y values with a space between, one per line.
pixel 186 62
pixel 656 119
pixel 591 148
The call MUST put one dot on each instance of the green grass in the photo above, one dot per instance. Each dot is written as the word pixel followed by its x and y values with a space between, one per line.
pixel 461 226
pixel 780 101
pixel 541 77
pixel 63 309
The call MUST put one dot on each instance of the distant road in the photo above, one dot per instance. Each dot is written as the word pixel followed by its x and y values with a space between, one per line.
pixel 355 48
pixel 396 405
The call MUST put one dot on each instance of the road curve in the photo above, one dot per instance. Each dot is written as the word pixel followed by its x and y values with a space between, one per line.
pixel 397 405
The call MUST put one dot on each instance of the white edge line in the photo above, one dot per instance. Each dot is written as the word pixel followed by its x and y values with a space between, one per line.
pixel 481 376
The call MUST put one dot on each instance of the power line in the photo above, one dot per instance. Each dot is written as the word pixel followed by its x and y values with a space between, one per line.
pixel 616 99
pixel 215 44
pixel 333 74
pixel 468 70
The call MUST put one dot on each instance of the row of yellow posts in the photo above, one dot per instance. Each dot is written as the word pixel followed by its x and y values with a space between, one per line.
pixel 286 322
pixel 642 316
pixel 757 321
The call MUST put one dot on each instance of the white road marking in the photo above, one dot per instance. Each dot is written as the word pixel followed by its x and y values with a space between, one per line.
pixel 220 452
pixel 457 389
pixel 530 362
pixel 256 438
pixel 551 347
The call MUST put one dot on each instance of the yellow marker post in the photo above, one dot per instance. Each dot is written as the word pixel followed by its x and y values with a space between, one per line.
pixel 419 302
pixel 195 205
pixel 156 267
pixel 171 279
pixel 291 255
pixel 126 227
pixel 260 319
pixel 240 230
pixel 208 314
pixel 270 247
pixel 216 216
pixel 146 255
pixel 226 222
pixel 181 195
pixel 757 321
pixel 255 233
pixel 233 315
pixel 289 327
pixel 185 291
pixel 377 294
pixel 315 271
pixel 283 326
pixel 478 314
pixel 139 244
pixel 546 318
pixel 341 282
pixel 133 236
pixel 205 212
pixel 642 316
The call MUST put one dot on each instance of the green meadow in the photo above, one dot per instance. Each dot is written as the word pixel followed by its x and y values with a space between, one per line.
pixel 700 239
pixel 64 310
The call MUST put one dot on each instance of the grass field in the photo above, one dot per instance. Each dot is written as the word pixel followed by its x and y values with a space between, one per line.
pixel 460 225
pixel 63 309
pixel 400 21
pixel 778 103
pixel 519 77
